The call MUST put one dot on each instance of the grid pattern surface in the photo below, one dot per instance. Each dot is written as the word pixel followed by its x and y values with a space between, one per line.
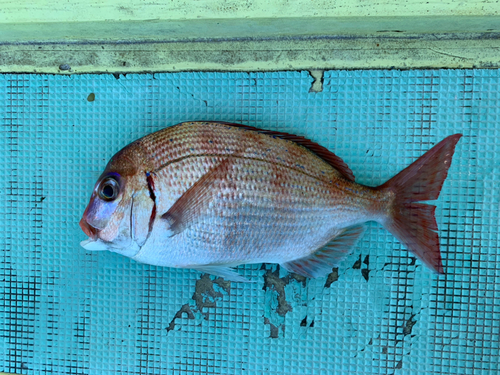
pixel 67 311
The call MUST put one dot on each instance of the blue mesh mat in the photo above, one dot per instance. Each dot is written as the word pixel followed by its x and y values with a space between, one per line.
pixel 67 311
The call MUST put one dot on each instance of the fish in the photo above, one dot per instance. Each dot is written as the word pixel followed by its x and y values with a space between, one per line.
pixel 211 196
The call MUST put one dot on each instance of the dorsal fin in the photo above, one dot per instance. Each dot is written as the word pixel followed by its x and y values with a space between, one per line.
pixel 316 149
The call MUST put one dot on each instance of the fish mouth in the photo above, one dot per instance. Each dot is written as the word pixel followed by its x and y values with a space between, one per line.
pixel 88 229
pixel 92 243
pixel 95 245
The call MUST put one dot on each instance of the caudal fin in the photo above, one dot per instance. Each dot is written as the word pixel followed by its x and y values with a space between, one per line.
pixel 414 224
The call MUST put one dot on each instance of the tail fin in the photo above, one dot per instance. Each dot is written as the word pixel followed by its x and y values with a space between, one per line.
pixel 412 223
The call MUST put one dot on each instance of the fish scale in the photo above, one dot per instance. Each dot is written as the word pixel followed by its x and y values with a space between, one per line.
pixel 191 139
pixel 302 211
pixel 211 196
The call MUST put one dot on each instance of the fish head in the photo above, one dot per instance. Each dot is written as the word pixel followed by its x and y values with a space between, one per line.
pixel 117 216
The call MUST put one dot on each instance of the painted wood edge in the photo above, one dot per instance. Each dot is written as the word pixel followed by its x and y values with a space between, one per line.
pixel 375 53
pixel 216 30
pixel 259 46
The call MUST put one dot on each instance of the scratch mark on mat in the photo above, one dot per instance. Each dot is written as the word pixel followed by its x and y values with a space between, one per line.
pixel 448 54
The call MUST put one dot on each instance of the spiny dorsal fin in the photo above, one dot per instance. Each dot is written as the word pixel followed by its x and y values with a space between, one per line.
pixel 321 262
pixel 316 149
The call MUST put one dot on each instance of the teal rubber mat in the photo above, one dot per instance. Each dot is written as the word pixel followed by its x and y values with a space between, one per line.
pixel 64 310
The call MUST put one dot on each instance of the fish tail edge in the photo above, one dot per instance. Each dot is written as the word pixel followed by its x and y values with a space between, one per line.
pixel 414 224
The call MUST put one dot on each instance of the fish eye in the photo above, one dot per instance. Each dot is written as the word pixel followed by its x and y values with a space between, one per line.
pixel 108 190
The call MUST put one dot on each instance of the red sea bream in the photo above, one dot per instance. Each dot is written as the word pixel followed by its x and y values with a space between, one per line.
pixel 212 196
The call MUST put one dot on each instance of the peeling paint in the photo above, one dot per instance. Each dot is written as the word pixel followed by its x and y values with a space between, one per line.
pixel 317 85
pixel 303 323
pixel 332 277
pixel 272 281
pixel 204 296
pixel 367 260
pixel 370 343
pixel 282 295
pixel 413 261
pixel 274 330
pixel 357 264
pixel 185 309
pixel 366 271
pixel 409 325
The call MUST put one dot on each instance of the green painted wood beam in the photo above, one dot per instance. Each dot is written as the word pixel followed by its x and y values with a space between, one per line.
pixel 128 36
pixel 139 10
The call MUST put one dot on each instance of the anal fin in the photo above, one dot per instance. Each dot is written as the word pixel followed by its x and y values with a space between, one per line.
pixel 321 262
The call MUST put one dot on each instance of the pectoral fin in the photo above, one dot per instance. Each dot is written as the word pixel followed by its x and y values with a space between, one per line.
pixel 196 200
pixel 223 271
pixel 321 262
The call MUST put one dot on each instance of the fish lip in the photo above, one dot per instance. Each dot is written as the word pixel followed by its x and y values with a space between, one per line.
pixel 94 245
pixel 88 229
